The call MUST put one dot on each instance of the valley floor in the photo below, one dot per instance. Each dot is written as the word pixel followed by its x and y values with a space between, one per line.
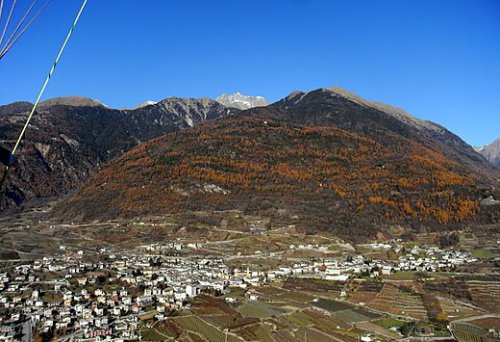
pixel 157 280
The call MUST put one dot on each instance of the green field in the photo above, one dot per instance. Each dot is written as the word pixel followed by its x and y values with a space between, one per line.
pixel 259 310
pixel 483 253
pixel 300 319
pixel 332 305
pixel 388 323
pixel 263 332
pixel 351 316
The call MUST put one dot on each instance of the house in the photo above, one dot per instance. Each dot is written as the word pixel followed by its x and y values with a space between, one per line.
pixel 387 270
pixel 191 290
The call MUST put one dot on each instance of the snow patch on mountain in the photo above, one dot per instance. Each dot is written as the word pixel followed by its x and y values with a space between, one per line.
pixel 146 103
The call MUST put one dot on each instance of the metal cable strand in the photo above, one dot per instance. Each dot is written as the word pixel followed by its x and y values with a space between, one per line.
pixel 1 10
pixel 6 48
pixel 44 86
pixel 8 21
pixel 21 22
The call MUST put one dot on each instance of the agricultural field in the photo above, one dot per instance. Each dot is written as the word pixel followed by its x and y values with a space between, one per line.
pixel 332 305
pixel 400 302
pixel 152 335
pixel 256 332
pixel 315 287
pixel 388 323
pixel 275 294
pixel 456 310
pixel 198 326
pixel 355 315
pixel 321 319
pixel 486 294
pixel 260 310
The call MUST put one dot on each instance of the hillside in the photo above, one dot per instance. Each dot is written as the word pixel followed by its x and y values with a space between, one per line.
pixel 316 160
pixel 339 108
pixel 69 138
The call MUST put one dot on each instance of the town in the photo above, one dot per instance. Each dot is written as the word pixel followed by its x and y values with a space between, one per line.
pixel 80 295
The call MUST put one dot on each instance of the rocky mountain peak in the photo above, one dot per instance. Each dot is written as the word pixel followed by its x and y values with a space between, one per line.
pixel 191 110
pixel 240 101
pixel 491 151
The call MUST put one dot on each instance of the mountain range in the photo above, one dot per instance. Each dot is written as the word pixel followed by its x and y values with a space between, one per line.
pixel 70 138
pixel 323 160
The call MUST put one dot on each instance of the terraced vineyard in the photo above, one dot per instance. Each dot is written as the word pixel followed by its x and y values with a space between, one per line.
pixel 314 285
pixel 426 239
pixel 261 332
pixel 152 335
pixel 391 299
pixel 220 321
pixel 365 292
pixel 284 336
pixel 295 315
pixel 199 326
pixel 168 328
pixel 469 332
pixel 468 241
pixel 362 297
pixel 486 294
pixel 317 336
pixel 454 310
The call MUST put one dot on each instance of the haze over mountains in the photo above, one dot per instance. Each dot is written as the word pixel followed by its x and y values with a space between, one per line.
pixel 326 157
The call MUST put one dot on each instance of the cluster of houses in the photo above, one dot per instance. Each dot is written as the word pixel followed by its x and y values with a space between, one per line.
pixel 419 259
pixel 106 296
pixel 66 295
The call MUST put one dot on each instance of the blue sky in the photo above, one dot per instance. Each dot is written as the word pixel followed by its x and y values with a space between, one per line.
pixel 440 60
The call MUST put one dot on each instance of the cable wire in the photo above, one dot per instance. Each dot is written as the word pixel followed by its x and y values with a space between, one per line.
pixel 1 10
pixel 6 48
pixel 21 22
pixel 8 21
pixel 44 86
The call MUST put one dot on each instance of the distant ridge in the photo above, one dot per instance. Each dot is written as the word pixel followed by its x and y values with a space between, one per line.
pixel 491 152
pixel 75 101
